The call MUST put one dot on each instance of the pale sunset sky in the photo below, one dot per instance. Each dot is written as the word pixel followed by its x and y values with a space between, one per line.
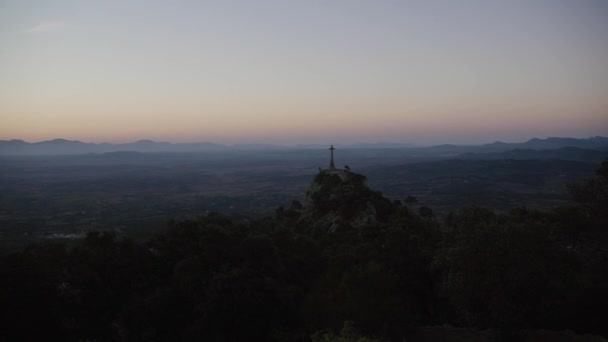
pixel 270 71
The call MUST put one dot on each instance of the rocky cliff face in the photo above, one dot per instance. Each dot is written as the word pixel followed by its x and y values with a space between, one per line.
pixel 340 200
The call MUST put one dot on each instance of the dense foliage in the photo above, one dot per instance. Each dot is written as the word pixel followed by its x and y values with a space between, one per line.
pixel 216 278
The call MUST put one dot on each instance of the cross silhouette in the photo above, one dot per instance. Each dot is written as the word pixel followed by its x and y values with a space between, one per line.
pixel 332 166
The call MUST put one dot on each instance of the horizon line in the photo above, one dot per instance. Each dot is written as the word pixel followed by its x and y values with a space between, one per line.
pixel 292 144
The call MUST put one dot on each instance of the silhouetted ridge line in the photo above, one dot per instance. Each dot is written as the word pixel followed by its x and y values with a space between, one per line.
pixel 64 146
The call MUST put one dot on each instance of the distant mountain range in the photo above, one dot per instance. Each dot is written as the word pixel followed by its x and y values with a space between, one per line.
pixel 564 153
pixel 62 146
pixel 550 143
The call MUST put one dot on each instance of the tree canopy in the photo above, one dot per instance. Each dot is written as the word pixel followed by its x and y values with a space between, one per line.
pixel 218 278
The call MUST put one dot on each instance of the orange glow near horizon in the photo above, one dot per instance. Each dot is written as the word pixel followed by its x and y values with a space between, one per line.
pixel 305 72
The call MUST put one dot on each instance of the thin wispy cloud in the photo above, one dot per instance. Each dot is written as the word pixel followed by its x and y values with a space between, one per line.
pixel 47 27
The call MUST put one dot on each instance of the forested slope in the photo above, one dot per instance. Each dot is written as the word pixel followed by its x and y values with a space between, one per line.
pixel 347 259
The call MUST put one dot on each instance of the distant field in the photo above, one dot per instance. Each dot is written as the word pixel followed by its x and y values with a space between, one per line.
pixel 498 184
pixel 136 193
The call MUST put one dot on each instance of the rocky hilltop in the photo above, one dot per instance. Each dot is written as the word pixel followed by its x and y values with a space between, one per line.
pixel 338 199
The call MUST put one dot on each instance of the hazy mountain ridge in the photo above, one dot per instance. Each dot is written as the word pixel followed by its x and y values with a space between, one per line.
pixel 593 143
pixel 63 146
pixel 563 153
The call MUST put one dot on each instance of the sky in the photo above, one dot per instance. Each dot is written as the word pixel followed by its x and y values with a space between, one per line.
pixel 314 71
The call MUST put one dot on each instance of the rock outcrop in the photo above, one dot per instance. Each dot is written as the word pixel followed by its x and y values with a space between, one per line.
pixel 339 199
